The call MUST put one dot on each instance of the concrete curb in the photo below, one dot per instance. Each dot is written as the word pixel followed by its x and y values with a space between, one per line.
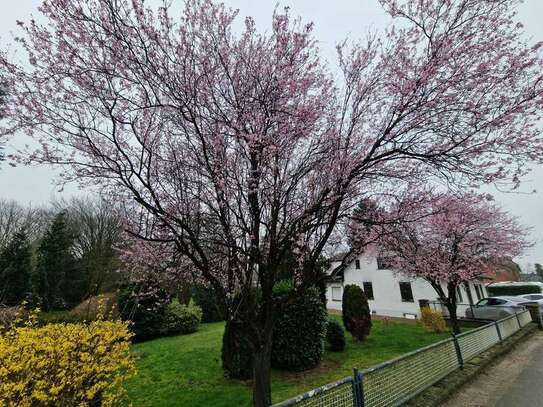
pixel 445 388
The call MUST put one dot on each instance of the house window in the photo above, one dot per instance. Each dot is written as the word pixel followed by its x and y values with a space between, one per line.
pixel 357 264
pixel 368 289
pixel 459 298
pixel 478 291
pixel 406 292
pixel 336 293
pixel 384 263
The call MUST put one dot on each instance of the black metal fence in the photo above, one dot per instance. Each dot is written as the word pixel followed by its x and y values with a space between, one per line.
pixel 396 381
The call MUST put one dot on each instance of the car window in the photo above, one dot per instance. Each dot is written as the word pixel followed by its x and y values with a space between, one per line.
pixel 484 301
pixel 535 296
pixel 496 301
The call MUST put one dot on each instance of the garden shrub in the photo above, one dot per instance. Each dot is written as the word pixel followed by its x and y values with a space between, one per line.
pixel 145 307
pixel 206 299
pixel 335 336
pixel 65 364
pixel 299 331
pixel 432 320
pixel 181 318
pixel 236 354
pixel 356 312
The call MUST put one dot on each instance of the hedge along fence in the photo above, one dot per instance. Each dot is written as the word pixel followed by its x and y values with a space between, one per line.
pixel 394 382
pixel 517 289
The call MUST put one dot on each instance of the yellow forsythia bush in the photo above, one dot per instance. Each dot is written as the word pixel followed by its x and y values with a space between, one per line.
pixel 433 320
pixel 64 364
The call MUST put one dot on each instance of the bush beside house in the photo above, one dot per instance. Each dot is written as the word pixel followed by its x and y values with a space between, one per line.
pixel 356 312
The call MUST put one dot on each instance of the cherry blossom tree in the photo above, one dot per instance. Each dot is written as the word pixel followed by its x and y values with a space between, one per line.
pixel 239 145
pixel 454 240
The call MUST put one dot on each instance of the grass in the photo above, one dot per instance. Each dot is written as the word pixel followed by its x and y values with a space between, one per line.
pixel 186 370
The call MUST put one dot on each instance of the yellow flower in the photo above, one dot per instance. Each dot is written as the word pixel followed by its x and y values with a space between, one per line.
pixel 64 364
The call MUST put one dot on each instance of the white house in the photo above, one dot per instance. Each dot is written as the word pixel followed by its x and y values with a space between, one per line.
pixel 389 293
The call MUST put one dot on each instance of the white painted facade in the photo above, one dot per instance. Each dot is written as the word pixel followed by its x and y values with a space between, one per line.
pixel 387 298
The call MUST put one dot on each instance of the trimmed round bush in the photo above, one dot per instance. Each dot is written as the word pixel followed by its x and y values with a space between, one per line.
pixel 299 331
pixel 335 336
pixel 356 312
pixel 181 319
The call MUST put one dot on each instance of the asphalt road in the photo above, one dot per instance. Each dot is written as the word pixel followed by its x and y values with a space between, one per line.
pixel 514 381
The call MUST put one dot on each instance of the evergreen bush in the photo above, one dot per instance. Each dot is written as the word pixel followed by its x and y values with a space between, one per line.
pixel 299 331
pixel 356 312
pixel 206 299
pixel 145 306
pixel 335 336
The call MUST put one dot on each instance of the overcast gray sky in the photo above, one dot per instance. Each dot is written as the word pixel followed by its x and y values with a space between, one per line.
pixel 334 20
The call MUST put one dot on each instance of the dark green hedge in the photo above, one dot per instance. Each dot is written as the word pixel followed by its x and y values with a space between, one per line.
pixel 335 336
pixel 299 332
pixel 356 312
pixel 513 290
pixel 206 299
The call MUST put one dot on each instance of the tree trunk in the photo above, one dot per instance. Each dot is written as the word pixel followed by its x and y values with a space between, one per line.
pixel 454 317
pixel 261 373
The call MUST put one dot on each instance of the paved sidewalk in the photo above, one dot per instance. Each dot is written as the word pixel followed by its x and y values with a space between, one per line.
pixel 514 381
pixel 527 389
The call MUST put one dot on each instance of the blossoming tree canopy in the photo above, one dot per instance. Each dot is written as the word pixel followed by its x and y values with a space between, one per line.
pixel 238 146
pixel 454 240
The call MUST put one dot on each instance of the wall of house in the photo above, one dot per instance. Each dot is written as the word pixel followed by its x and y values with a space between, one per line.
pixel 386 290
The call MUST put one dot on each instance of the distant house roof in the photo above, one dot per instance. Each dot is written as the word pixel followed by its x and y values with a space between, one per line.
pixel 339 256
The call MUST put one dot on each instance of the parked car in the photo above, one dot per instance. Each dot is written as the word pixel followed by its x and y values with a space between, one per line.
pixel 533 298
pixel 495 308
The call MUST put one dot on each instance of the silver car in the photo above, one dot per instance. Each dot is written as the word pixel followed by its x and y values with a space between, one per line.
pixel 530 298
pixel 495 308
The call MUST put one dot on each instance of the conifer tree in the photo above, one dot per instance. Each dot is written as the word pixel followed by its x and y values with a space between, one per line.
pixel 57 278
pixel 15 269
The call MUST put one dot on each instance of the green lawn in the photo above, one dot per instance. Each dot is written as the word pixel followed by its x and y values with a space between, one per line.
pixel 186 370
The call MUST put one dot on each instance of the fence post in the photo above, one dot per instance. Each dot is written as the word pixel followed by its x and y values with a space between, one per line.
pixel 499 332
pixel 458 351
pixel 358 389
pixel 518 320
